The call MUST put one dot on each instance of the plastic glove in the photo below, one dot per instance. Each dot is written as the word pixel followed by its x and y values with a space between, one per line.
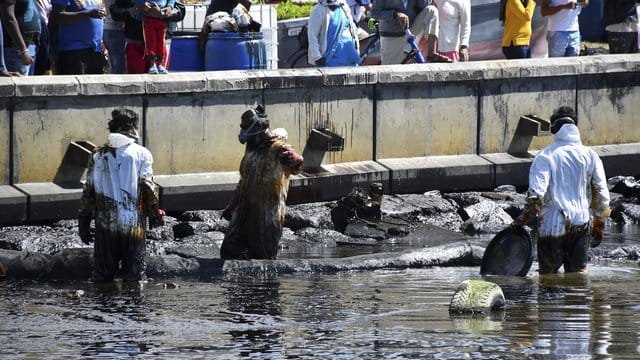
pixel 597 231
pixel 530 212
pixel 84 229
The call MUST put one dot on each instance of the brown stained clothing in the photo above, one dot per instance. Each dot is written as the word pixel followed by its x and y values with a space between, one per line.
pixel 119 246
pixel 569 250
pixel 256 226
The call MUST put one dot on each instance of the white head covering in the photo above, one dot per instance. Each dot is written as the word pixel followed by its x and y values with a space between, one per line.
pixel 280 133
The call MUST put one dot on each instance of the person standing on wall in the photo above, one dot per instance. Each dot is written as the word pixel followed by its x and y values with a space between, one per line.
pixel 120 195
pixel 563 29
pixel 113 36
pixel 516 17
pixel 3 67
pixel 419 16
pixel 621 22
pixel 21 28
pixel 455 29
pixel 79 28
pixel 569 197
pixel 332 35
pixel 154 30
pixel 124 10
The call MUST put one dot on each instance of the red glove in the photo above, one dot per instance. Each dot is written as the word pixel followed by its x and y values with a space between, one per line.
pixel 291 158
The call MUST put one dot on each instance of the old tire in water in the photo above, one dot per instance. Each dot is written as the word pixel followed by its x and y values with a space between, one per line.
pixel 475 297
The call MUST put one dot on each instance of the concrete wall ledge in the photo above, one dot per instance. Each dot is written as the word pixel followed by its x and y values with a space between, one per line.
pixel 237 80
pixel 446 173
pixel 31 202
pixel 13 205
pixel 48 201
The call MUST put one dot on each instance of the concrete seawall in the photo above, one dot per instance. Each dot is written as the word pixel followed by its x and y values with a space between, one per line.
pixel 451 127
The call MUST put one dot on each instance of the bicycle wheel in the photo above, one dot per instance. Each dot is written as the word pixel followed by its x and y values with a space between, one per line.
pixel 298 59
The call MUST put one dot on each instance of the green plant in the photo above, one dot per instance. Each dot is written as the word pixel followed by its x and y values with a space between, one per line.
pixel 288 10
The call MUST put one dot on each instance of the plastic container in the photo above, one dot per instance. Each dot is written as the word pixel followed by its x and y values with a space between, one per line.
pixel 185 54
pixel 235 51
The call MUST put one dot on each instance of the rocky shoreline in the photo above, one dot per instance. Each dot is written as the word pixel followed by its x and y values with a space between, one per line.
pixel 415 230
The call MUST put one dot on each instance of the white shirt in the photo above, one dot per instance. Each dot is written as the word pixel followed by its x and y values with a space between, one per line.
pixel 563 174
pixel 455 24
pixel 116 178
pixel 565 19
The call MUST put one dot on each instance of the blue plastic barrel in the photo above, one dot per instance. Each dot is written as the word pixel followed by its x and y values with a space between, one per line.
pixel 235 51
pixel 185 54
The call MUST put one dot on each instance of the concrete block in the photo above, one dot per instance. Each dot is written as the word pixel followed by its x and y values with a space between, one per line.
pixel 206 139
pixel 196 191
pixel 13 205
pixel 335 181
pixel 43 127
pixel 409 126
pixel 178 82
pixel 235 80
pixel 620 159
pixel 509 169
pixel 49 201
pixel 359 76
pixel 111 84
pixel 326 107
pixel 445 173
pixel 59 85
pixel 294 79
pixel 7 87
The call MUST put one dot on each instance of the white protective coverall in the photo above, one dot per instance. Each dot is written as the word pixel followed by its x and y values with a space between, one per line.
pixel 563 175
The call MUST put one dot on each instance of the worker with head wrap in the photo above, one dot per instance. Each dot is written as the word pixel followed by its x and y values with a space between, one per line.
pixel 258 210
pixel 120 195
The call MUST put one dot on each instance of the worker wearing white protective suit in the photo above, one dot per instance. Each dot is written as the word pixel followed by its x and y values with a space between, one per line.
pixel 568 194
pixel 119 194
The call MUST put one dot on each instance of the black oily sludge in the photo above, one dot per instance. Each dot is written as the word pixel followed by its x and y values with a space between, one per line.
pixel 188 244
pixel 77 263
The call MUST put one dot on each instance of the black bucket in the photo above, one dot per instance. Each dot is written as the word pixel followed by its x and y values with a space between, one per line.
pixel 509 253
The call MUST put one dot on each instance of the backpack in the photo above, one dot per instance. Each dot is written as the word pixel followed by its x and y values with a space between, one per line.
pixel 303 40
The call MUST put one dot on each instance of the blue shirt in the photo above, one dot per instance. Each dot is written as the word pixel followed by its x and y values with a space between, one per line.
pixel 86 33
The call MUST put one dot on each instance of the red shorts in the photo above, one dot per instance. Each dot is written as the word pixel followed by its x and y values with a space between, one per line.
pixel 136 62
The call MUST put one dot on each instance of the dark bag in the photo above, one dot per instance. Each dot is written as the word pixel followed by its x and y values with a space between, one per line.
pixel 179 5
pixel 303 39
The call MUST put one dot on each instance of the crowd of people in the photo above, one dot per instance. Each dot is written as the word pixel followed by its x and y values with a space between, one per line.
pixel 446 27
pixel 131 36
pixel 65 37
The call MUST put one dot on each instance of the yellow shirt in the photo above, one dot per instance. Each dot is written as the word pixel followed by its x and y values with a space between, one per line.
pixel 517 24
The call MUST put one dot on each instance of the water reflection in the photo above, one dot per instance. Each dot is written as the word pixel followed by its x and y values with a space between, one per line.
pixel 352 315
pixel 254 303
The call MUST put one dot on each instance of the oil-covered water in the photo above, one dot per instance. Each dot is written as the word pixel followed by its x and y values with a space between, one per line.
pixel 354 315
